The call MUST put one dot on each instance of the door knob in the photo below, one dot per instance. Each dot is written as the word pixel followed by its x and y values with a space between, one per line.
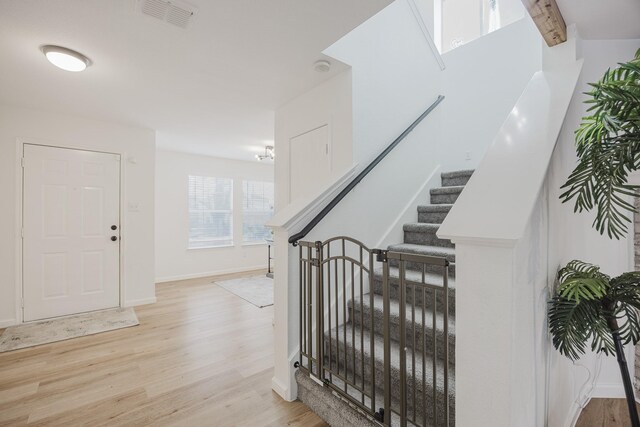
pixel 114 238
pixel 114 227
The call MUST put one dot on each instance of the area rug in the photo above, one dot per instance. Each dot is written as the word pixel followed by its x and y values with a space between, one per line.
pixel 258 290
pixel 64 328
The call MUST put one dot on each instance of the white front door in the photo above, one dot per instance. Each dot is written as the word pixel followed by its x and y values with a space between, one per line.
pixel 71 231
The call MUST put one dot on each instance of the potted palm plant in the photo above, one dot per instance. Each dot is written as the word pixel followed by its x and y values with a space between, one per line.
pixel 587 305
pixel 590 306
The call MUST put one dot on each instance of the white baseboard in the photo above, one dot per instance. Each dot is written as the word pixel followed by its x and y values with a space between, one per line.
pixel 4 323
pixel 611 391
pixel 210 273
pixel 283 391
pixel 142 301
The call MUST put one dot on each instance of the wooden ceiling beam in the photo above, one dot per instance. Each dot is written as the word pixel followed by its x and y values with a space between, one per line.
pixel 548 19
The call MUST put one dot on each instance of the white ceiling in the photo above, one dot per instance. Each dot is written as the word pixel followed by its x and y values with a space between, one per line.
pixel 603 19
pixel 211 89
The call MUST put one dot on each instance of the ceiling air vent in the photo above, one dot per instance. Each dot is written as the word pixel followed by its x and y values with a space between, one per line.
pixel 172 12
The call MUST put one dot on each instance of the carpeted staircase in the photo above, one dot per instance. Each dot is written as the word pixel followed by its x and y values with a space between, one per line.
pixel 419 238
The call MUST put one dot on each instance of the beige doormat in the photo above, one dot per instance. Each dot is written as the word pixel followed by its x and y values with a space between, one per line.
pixel 64 328
pixel 258 290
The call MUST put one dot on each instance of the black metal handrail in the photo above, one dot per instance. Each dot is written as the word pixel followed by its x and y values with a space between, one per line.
pixel 320 216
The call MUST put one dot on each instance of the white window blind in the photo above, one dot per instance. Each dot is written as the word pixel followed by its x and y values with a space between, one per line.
pixel 210 211
pixel 257 209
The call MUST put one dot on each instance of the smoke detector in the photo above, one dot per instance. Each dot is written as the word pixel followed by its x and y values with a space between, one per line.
pixel 322 66
pixel 172 12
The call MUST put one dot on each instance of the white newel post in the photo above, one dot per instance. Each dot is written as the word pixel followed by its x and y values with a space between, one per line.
pixel 286 315
pixel 483 334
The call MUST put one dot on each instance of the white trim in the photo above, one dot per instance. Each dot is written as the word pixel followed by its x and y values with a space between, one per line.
pixel 425 33
pixel 20 143
pixel 142 301
pixel 5 323
pixel 232 245
pixel 210 273
pixel 263 243
pixel 287 393
pixel 410 207
pixel 484 241
pixel 283 391
pixel 611 391
pixel 18 241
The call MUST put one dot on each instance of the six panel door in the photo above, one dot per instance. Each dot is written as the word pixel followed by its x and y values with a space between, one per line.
pixel 71 231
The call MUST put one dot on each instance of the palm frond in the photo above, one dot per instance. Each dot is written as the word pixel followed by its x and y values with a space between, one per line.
pixel 608 148
pixel 570 325
pixel 580 280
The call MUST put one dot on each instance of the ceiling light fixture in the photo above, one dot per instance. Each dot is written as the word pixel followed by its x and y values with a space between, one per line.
pixel 269 154
pixel 322 66
pixel 64 58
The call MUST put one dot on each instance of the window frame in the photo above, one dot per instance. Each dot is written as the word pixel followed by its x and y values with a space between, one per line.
pixel 209 244
pixel 262 240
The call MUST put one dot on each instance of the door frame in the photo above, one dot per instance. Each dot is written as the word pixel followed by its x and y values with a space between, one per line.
pixel 19 199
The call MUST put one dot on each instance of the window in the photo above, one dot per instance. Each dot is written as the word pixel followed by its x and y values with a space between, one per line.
pixel 210 212
pixel 257 209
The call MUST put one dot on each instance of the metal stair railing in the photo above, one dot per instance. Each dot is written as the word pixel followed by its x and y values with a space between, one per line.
pixel 355 181
pixel 347 349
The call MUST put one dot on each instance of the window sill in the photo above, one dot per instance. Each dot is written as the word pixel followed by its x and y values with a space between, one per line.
pixel 210 247
pixel 262 243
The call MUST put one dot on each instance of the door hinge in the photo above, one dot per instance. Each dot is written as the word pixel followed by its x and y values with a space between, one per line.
pixel 22 233
pixel 22 302
pixel 22 161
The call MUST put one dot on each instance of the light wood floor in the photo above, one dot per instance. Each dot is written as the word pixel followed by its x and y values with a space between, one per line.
pixel 200 357
pixel 605 413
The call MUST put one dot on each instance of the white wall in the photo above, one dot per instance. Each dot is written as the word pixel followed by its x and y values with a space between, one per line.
pixel 482 82
pixel 77 132
pixel 573 238
pixel 327 104
pixel 395 77
pixel 174 261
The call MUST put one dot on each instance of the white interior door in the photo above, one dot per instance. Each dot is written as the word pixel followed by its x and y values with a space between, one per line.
pixel 71 231
pixel 310 162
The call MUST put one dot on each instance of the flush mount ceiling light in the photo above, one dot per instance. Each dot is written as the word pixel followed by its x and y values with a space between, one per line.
pixel 64 58
pixel 269 153
pixel 322 66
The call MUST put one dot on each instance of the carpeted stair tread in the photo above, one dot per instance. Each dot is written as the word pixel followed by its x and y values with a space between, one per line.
pixel 454 189
pixel 456 177
pixel 434 208
pixel 433 214
pixel 363 355
pixel 445 195
pixel 412 276
pixel 436 251
pixel 360 311
pixel 394 312
pixel 456 174
pixel 421 227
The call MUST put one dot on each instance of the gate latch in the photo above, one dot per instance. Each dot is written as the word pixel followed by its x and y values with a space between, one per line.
pixel 381 255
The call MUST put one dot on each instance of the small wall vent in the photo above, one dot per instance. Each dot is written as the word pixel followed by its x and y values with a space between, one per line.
pixel 176 13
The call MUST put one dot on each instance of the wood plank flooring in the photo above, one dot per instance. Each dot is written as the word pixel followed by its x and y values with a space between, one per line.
pixel 605 413
pixel 200 357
